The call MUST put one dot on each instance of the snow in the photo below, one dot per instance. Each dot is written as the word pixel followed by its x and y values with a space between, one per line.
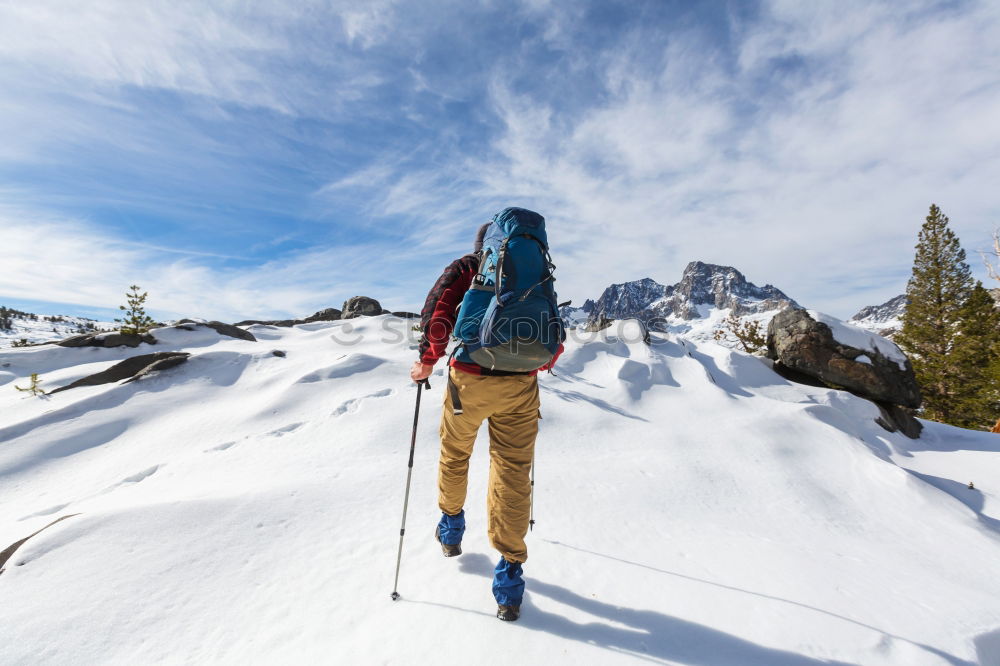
pixel 863 359
pixel 42 330
pixel 859 338
pixel 692 507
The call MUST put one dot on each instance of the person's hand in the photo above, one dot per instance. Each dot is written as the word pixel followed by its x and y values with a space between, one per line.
pixel 420 371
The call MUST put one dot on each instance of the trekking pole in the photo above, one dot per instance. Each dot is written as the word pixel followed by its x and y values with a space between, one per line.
pixel 531 505
pixel 409 474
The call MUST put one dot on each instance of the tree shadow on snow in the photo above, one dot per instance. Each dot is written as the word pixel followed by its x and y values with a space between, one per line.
pixel 646 634
pixel 970 497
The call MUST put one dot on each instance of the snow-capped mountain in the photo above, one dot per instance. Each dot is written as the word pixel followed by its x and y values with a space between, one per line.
pixel 696 306
pixel 630 299
pixel 720 287
pixel 17 326
pixel 885 319
pixel 573 317
pixel 692 507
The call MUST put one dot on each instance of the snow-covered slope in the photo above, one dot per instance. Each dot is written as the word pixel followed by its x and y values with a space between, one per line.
pixel 692 507
pixel 17 325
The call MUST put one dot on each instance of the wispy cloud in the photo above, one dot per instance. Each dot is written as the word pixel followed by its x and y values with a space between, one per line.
pixel 87 267
pixel 270 160
pixel 806 154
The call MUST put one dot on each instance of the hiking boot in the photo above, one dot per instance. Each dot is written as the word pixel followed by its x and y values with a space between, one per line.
pixel 508 613
pixel 508 589
pixel 449 532
pixel 449 549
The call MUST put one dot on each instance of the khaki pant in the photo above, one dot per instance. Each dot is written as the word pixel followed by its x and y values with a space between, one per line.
pixel 511 406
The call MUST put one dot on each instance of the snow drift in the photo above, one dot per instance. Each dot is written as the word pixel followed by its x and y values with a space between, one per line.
pixel 692 507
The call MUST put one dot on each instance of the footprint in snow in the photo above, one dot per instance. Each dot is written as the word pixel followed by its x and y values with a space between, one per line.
pixel 348 365
pixel 45 512
pixel 352 405
pixel 221 447
pixel 133 478
pixel 128 480
pixel 284 430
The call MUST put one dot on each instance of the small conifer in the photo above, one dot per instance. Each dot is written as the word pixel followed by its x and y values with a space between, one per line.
pixel 34 388
pixel 135 321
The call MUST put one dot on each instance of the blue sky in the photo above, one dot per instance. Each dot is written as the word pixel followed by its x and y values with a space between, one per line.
pixel 245 161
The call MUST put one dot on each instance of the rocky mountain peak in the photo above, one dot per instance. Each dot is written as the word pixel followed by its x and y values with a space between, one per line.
pixel 701 284
pixel 889 312
pixel 623 300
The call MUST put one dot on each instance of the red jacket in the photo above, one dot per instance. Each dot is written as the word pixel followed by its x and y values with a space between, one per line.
pixel 437 319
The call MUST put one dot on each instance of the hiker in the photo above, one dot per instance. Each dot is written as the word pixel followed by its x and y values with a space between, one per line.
pixel 493 379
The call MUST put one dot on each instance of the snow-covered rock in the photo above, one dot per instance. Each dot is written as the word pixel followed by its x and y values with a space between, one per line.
pixel 841 355
pixel 691 507
pixel 859 338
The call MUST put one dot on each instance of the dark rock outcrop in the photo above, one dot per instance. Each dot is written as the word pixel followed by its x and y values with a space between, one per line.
pixel 107 340
pixel 220 328
pixel 596 325
pixel 329 314
pixel 270 322
pixel 797 341
pixel 361 306
pixel 801 345
pixel 8 552
pixel 893 418
pixel 130 369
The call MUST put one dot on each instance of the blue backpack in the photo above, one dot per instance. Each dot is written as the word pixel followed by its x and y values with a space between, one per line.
pixel 508 319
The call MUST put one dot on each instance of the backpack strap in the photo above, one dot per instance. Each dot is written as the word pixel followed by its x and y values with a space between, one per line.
pixel 550 268
pixel 501 269
pixel 456 399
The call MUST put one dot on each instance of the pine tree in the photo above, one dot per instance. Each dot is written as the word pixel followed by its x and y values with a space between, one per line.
pixel 136 321
pixel 977 358
pixel 937 291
